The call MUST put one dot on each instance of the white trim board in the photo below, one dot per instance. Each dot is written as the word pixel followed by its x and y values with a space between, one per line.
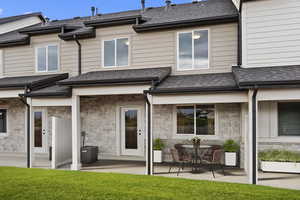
pixel 10 93
pixel 111 90
pixel 278 94
pixel 237 97
pixel 51 102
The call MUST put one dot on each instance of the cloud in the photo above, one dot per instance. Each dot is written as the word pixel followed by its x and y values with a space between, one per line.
pixel 1 11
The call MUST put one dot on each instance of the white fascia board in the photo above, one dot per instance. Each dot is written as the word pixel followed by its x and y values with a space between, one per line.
pixel 110 90
pixel 10 93
pixel 278 94
pixel 234 97
pixel 43 102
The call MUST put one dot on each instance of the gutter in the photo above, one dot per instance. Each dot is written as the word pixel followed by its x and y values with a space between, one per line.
pixel 186 23
pixel 23 100
pixel 79 54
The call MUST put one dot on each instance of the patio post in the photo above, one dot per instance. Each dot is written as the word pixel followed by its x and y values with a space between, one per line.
pixel 149 152
pixel 252 137
pixel 76 133
pixel 30 140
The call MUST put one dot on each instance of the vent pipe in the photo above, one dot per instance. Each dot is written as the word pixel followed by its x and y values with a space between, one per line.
pixel 93 9
pixel 143 3
pixel 168 3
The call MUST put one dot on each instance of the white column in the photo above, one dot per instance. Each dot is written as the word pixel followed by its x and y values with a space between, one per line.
pixel 249 141
pixel 31 139
pixel 149 148
pixel 76 133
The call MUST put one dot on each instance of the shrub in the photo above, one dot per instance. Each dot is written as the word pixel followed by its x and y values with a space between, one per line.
pixel 231 146
pixel 158 144
pixel 279 156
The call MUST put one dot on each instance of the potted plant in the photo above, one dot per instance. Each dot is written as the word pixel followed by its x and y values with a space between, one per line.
pixel 158 146
pixel 280 161
pixel 231 149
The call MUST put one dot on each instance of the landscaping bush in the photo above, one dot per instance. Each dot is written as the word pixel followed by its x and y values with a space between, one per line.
pixel 279 156
pixel 231 146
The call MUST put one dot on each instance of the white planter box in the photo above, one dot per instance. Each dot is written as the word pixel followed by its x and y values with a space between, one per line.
pixel 230 158
pixel 157 156
pixel 287 167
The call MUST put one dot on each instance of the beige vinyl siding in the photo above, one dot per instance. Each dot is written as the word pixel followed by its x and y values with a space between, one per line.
pixel 159 49
pixel 147 50
pixel 271 33
pixel 20 61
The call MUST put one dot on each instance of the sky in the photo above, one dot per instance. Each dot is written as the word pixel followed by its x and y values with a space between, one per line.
pixel 62 9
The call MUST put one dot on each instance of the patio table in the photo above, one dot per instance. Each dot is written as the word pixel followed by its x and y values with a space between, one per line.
pixel 196 161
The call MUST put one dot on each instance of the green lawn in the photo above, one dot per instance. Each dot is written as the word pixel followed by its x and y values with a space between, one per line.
pixel 41 184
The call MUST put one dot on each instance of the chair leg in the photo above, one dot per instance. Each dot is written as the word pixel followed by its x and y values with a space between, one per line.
pixel 223 170
pixel 178 170
pixel 212 170
pixel 170 169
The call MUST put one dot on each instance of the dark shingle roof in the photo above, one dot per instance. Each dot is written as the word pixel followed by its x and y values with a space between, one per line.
pixel 19 17
pixel 30 81
pixel 51 91
pixel 267 75
pixel 197 83
pixel 186 14
pixel 13 37
pixel 129 76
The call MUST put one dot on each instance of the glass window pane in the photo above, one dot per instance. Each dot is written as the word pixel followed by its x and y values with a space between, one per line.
pixel 185 51
pixel 205 120
pixel 109 53
pixel 185 120
pixel 41 59
pixel 201 49
pixel 288 119
pixel 131 128
pixel 38 129
pixel 52 58
pixel 122 52
pixel 2 121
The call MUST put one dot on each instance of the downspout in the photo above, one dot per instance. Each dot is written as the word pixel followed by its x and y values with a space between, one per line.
pixel 148 134
pixel 254 146
pixel 23 100
pixel 240 51
pixel 79 54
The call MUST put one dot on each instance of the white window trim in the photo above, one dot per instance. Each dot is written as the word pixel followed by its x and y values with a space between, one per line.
pixel 36 58
pixel 193 65
pixel 190 136
pixel 129 52
pixel 2 134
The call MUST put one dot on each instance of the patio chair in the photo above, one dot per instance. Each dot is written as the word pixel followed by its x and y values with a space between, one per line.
pixel 180 160
pixel 217 160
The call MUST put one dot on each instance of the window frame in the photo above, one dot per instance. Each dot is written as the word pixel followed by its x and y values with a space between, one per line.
pixel 188 136
pixel 103 52
pixel 277 117
pixel 5 134
pixel 47 63
pixel 193 49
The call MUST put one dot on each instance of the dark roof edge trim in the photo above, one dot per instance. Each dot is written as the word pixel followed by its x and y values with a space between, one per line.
pixel 19 42
pixel 148 80
pixel 195 90
pixel 49 94
pixel 85 35
pixel 187 23
pixel 114 21
pixel 47 81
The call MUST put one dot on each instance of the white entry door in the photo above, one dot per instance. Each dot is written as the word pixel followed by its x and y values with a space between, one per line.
pixel 40 131
pixel 132 132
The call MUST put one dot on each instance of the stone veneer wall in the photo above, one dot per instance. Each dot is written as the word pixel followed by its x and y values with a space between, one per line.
pixel 98 115
pixel 228 125
pixel 16 138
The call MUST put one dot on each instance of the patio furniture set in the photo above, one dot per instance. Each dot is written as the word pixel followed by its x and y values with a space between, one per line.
pixel 198 157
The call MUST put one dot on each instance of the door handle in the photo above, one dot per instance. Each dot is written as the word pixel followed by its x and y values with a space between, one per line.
pixel 44 132
pixel 140 132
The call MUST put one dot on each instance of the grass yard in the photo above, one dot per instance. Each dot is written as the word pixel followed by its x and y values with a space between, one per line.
pixel 32 184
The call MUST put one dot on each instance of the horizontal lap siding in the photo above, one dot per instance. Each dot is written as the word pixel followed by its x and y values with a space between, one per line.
pixel 20 61
pixel 271 33
pixel 158 49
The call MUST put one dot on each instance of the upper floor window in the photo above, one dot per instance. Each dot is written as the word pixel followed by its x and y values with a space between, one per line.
pixel 47 58
pixel 116 52
pixel 193 50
